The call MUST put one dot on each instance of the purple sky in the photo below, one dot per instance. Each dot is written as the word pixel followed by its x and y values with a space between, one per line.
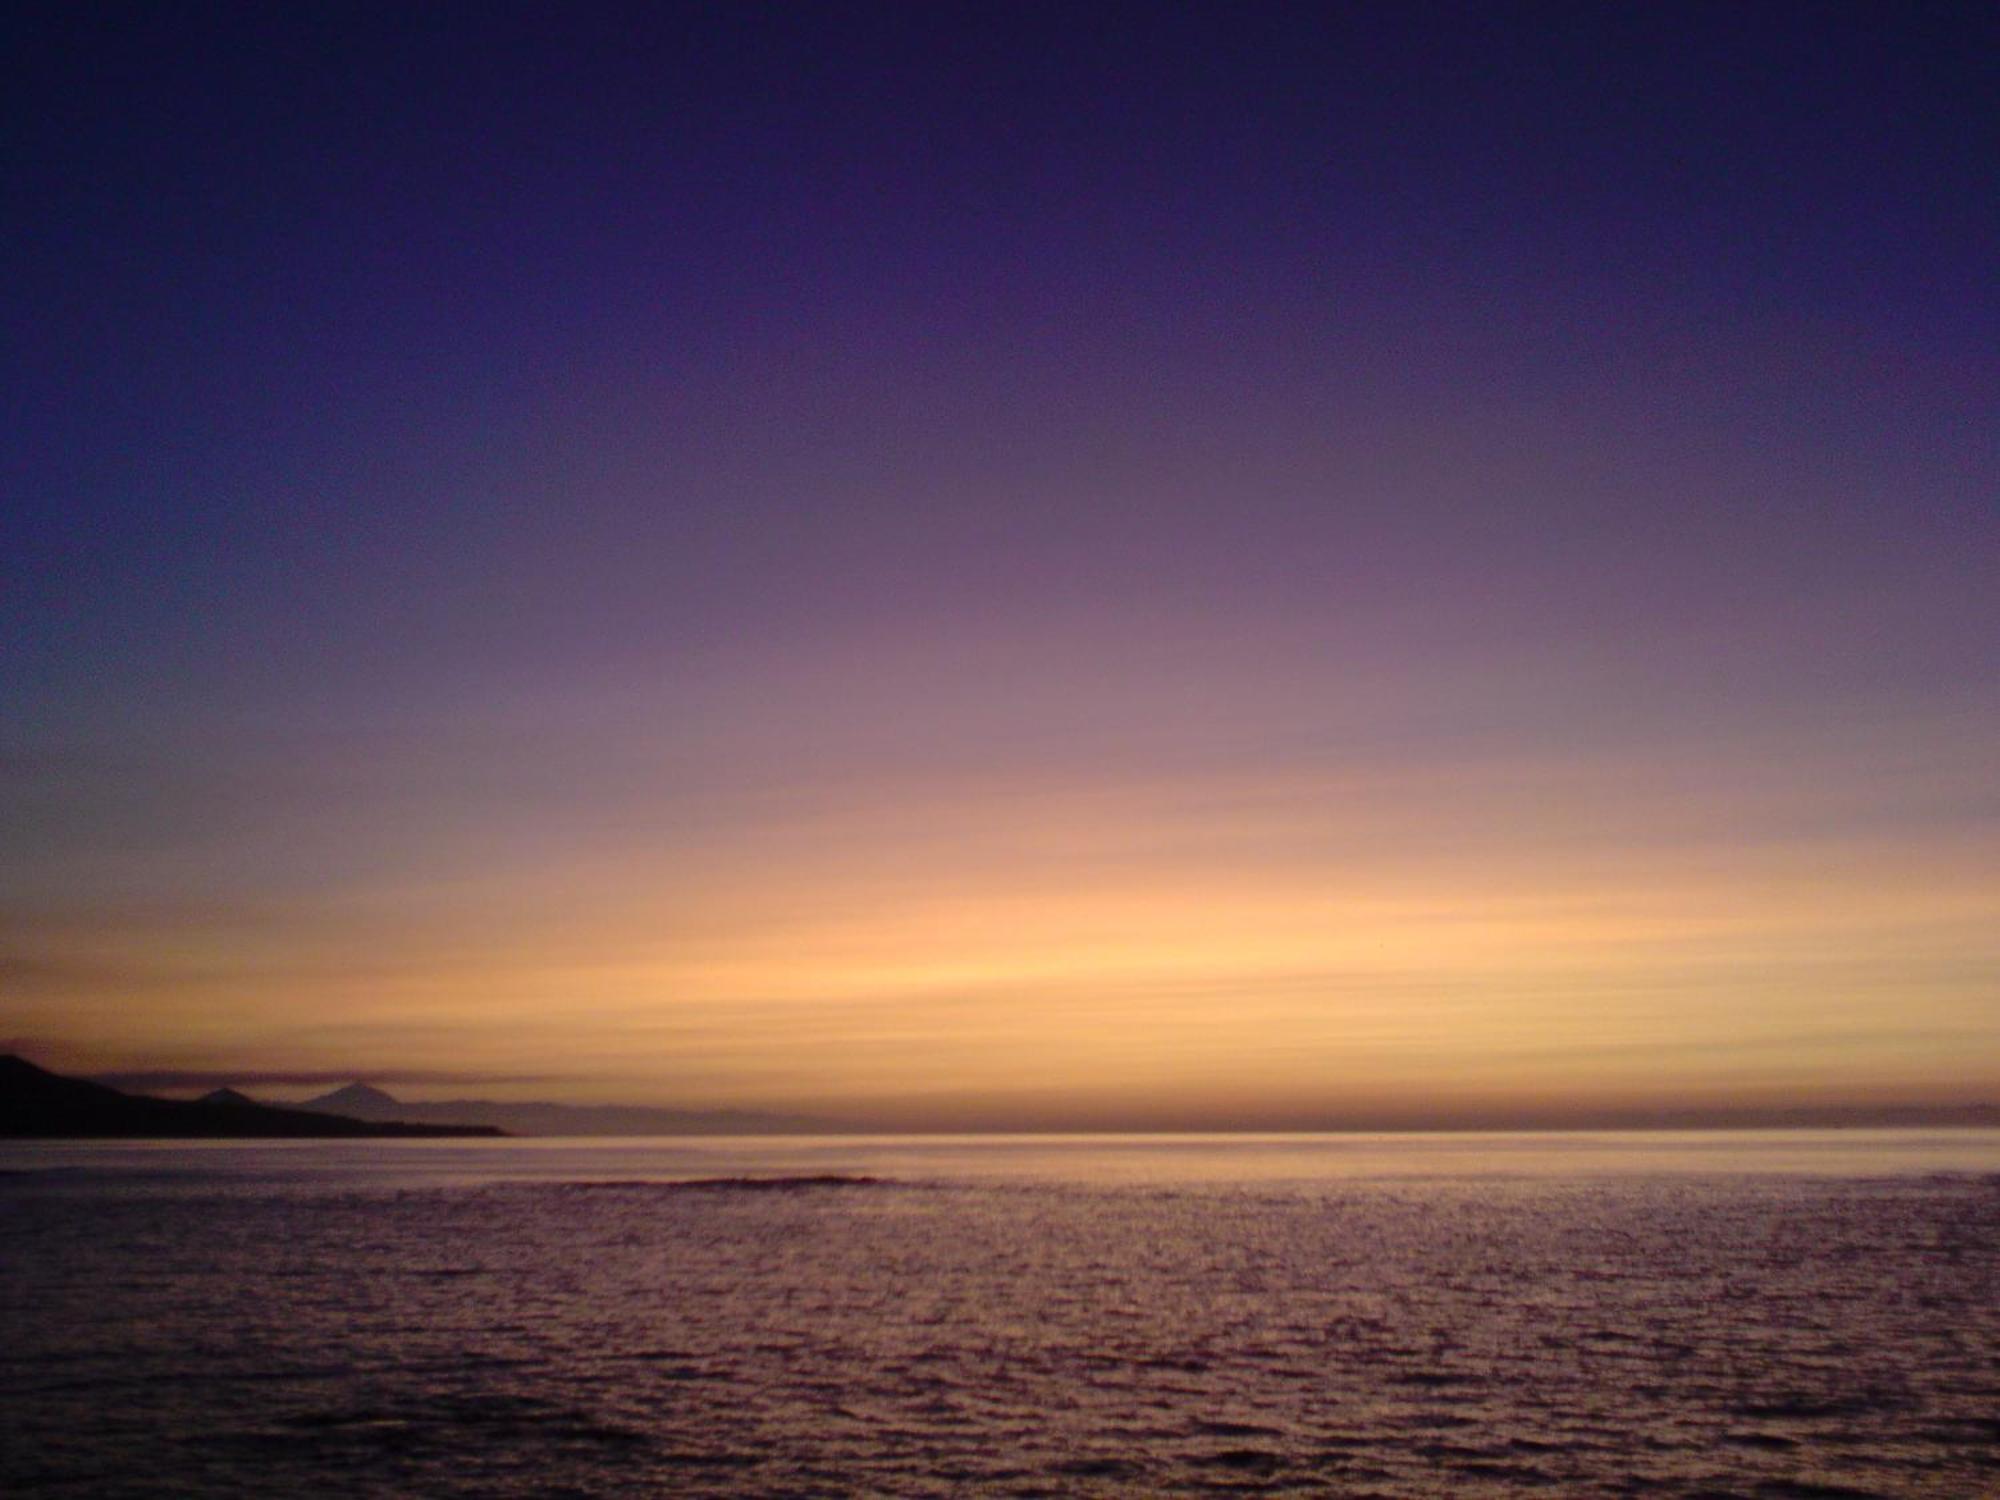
pixel 1006 564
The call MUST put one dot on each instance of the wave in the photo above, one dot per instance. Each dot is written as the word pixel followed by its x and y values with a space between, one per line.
pixel 797 1184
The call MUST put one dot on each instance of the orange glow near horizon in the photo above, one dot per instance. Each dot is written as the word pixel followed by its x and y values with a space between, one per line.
pixel 1401 937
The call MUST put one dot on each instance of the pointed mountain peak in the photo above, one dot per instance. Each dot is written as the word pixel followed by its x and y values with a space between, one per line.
pixel 230 1097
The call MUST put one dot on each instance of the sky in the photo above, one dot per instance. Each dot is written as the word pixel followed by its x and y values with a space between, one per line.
pixel 997 566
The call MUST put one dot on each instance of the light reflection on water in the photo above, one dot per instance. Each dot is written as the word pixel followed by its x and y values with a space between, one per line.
pixel 1101 1159
pixel 1769 1315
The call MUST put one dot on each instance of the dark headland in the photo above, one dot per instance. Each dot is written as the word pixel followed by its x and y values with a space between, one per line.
pixel 37 1103
pixel 364 1101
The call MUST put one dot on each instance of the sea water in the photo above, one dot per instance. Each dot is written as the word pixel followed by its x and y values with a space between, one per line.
pixel 1746 1314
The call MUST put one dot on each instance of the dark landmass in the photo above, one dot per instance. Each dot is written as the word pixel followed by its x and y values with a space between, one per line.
pixel 366 1102
pixel 35 1102
pixel 361 1109
pixel 363 1101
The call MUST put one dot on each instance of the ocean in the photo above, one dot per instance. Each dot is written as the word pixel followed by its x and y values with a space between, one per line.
pixel 1731 1314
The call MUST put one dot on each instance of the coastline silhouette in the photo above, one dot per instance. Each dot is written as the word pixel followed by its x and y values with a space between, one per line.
pixel 37 1103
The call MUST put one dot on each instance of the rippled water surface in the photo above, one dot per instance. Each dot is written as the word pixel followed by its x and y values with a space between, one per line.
pixel 1753 1315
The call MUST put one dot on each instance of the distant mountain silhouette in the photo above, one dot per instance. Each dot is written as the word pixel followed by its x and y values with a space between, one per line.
pixel 357 1099
pixel 36 1102
pixel 366 1102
